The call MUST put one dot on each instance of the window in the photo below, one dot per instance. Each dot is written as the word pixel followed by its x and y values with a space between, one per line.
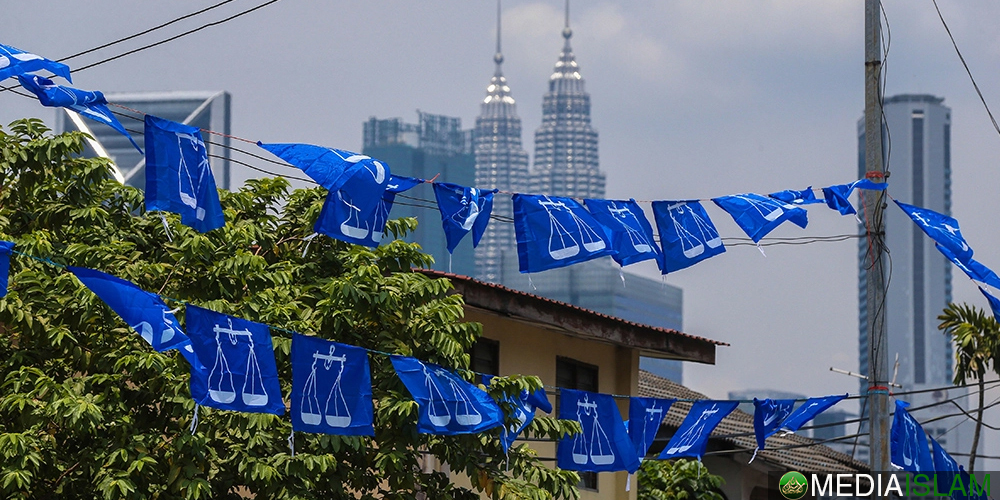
pixel 573 374
pixel 485 355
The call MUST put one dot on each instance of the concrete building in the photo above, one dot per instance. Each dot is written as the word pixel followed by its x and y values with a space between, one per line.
pixel 435 145
pixel 209 110
pixel 919 167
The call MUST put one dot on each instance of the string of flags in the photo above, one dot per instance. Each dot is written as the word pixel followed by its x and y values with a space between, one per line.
pixel 551 232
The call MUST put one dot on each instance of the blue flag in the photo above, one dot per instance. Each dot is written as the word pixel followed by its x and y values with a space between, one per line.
pixel 331 388
pixel 604 444
pixel 242 375
pixel 556 232
pixel 645 416
pixel 805 197
pixel 692 436
pixel 687 234
pixel 178 176
pixel 993 301
pixel 448 404
pixel 941 228
pixel 362 178
pixel 809 410
pixel 524 412
pixel 463 209
pixel 631 234
pixel 5 248
pixel 908 442
pixel 972 268
pixel 14 62
pixel 838 198
pixel 973 489
pixel 768 415
pixel 758 215
pixel 945 467
pixel 90 104
pixel 339 219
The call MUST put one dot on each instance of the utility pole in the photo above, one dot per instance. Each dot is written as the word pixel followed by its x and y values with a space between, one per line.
pixel 874 206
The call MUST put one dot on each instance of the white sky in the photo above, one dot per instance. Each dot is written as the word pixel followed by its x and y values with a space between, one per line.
pixel 692 99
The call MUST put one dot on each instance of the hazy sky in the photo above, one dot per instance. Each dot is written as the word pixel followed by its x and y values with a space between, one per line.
pixel 692 99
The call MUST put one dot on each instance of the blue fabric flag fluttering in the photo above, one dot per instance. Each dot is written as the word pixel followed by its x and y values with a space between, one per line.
pixel 631 235
pixel 809 410
pixel 945 467
pixel 691 437
pixel 555 232
pixel 758 215
pixel 362 178
pixel 804 197
pixel 524 412
pixel 144 311
pixel 994 302
pixel 463 209
pixel 242 374
pixel 178 176
pixel 90 104
pixel 604 444
pixel 15 62
pixel 908 442
pixel 341 220
pixel 5 248
pixel 838 197
pixel 645 416
pixel 941 228
pixel 331 388
pixel 687 234
pixel 448 405
pixel 972 268
pixel 768 415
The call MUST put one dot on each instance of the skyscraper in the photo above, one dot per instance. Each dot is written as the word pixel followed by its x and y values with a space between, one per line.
pixel 501 163
pixel 566 161
pixel 918 132
pixel 206 110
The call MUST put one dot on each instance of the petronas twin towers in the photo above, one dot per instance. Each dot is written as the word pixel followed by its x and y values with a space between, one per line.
pixel 566 162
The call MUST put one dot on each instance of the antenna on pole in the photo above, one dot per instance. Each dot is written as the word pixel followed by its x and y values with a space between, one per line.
pixel 498 57
pixel 567 32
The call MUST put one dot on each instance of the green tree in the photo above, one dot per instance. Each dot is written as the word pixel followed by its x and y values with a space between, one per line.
pixel 976 336
pixel 88 410
pixel 677 479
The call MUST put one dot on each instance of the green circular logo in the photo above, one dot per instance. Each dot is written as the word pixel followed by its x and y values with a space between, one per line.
pixel 793 485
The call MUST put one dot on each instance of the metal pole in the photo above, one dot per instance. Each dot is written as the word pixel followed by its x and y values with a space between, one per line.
pixel 874 205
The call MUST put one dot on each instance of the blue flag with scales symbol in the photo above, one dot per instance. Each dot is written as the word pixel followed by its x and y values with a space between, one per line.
pixel 343 221
pixel 631 234
pixel 838 197
pixel 178 175
pixel 524 412
pixel 945 467
pixel 941 228
pixel 758 215
pixel 14 62
pixel 604 444
pixel 691 437
pixel 361 178
pixel 809 410
pixel 908 442
pixel 331 388
pixel 645 416
pixel 554 231
pixel 687 234
pixel 5 248
pixel 242 374
pixel 448 405
pixel 90 104
pixel 463 209
pixel 972 268
pixel 144 311
pixel 768 415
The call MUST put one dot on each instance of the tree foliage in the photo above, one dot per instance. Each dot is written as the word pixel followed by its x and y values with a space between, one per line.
pixel 88 410
pixel 976 336
pixel 677 480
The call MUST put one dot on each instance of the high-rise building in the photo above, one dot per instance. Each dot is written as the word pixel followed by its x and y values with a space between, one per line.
pixel 501 163
pixel 919 168
pixel 205 110
pixel 435 146
pixel 566 162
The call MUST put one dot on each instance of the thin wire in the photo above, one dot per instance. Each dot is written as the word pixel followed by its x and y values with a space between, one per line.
pixel 966 65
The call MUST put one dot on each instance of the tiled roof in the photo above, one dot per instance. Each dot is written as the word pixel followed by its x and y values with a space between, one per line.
pixel 504 289
pixel 736 431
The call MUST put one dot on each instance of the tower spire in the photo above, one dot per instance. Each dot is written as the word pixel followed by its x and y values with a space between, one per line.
pixel 567 33
pixel 498 57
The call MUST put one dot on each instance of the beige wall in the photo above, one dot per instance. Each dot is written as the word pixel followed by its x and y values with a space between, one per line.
pixel 527 349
